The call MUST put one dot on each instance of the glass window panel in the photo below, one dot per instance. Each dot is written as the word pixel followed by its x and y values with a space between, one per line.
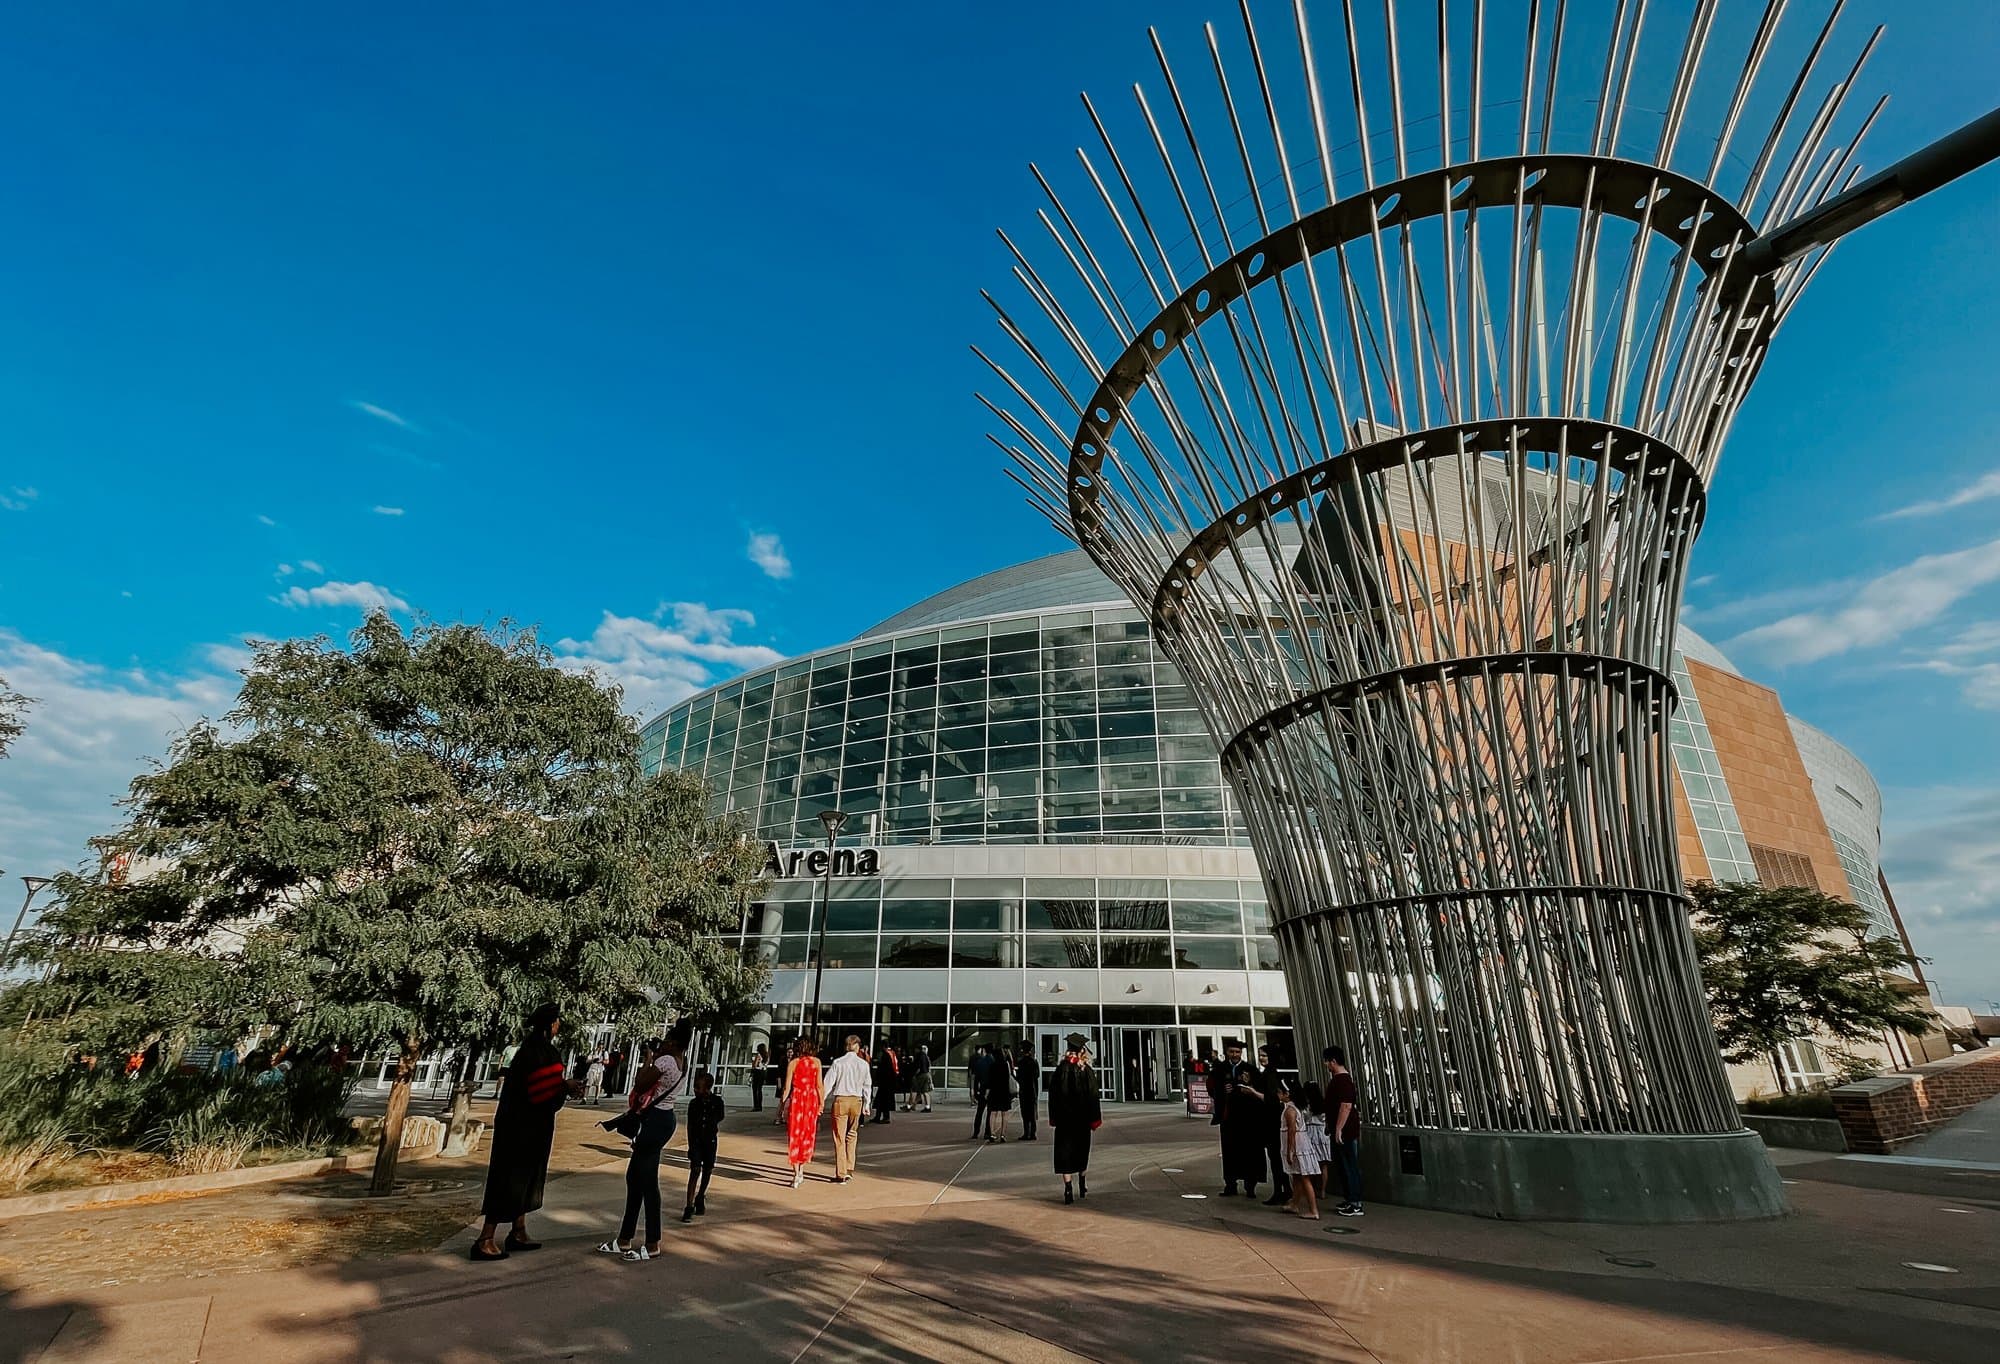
pixel 1017 666
pixel 1077 951
pixel 1014 732
pixel 1264 955
pixel 981 949
pixel 1015 759
pixel 1186 722
pixel 912 950
pixel 986 916
pixel 966 713
pixel 851 916
pixel 1208 954
pixel 1061 912
pixel 1207 916
pixel 794 951
pixel 1131 952
pixel 1128 726
pixel 1190 774
pixel 849 951
pixel 915 916
pixel 1130 750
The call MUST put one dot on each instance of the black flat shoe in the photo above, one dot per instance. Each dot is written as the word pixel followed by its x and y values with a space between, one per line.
pixel 511 1244
pixel 484 1256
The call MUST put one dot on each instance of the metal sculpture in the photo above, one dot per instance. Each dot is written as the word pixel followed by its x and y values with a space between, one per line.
pixel 1398 423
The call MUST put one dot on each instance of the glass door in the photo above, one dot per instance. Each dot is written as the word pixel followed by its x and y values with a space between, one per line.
pixel 1146 1064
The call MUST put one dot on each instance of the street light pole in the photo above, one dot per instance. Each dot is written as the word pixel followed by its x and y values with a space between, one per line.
pixel 34 885
pixel 834 820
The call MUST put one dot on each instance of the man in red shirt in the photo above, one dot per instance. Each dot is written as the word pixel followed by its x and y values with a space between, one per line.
pixel 1343 1127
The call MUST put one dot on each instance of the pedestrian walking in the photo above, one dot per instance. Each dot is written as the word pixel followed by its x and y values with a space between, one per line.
pixel 847 1084
pixel 885 1083
pixel 999 1093
pixel 649 1120
pixel 801 1104
pixel 593 1081
pixel 1343 1128
pixel 920 1079
pixel 975 1083
pixel 760 1062
pixel 1239 1111
pixel 705 1114
pixel 1298 1152
pixel 1028 1075
pixel 524 1130
pixel 1075 1112
pixel 1274 1104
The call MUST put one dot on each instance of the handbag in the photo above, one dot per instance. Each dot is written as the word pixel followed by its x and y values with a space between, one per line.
pixel 629 1123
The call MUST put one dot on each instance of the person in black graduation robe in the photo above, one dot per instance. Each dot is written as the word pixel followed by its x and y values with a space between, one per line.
pixel 1075 1111
pixel 524 1130
pixel 1240 1112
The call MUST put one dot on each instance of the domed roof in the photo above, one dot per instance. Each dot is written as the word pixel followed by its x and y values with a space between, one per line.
pixel 1049 583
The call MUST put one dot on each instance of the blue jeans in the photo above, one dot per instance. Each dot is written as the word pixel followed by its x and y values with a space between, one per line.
pixel 1350 1167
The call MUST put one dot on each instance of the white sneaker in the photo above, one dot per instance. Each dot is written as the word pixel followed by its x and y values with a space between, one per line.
pixel 798 1177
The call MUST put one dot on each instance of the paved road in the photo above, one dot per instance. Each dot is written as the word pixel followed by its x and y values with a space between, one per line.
pixel 948 1250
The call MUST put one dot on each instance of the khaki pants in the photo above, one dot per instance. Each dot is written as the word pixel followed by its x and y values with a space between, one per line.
pixel 846 1135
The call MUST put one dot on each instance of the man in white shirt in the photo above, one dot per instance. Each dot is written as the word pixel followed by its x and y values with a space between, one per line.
pixel 847 1088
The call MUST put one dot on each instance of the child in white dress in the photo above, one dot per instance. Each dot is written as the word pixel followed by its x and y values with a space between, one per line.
pixel 1301 1155
pixel 1315 1108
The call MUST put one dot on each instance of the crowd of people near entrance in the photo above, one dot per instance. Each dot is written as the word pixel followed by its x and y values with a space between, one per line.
pixel 1293 1130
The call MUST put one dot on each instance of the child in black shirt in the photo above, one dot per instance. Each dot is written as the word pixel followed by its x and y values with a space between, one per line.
pixel 704 1118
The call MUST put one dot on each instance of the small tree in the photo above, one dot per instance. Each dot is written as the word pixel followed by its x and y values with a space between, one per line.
pixel 420 839
pixel 1785 964
pixel 13 706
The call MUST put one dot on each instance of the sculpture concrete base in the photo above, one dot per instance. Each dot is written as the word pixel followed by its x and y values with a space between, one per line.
pixel 1546 1178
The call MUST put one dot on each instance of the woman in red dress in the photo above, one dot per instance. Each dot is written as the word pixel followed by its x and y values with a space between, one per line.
pixel 801 1100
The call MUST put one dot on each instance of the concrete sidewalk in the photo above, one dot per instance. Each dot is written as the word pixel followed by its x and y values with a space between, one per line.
pixel 947 1249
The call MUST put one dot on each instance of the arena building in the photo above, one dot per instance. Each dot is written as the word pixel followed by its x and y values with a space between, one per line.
pixel 1054 849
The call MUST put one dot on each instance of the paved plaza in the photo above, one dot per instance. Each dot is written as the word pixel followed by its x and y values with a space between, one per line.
pixel 952 1250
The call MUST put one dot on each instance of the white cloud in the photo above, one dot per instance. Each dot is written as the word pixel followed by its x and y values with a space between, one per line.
pixel 1979 490
pixel 388 511
pixel 17 499
pixel 264 520
pixel 1880 610
pixel 308 566
pixel 284 570
pixel 1941 855
pixel 91 730
pixel 768 553
pixel 367 596
pixel 395 419
pixel 658 664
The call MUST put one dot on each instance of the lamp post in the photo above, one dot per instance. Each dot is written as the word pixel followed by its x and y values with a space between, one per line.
pixel 834 821
pixel 34 885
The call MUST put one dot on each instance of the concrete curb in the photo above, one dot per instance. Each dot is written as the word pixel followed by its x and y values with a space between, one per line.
pixel 65 1200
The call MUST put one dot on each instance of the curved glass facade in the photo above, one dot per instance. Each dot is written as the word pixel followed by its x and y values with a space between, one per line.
pixel 1041 728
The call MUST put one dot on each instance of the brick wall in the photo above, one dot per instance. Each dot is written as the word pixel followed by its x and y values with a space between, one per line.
pixel 1888 1111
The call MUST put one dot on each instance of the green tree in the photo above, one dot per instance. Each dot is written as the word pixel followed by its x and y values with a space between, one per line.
pixel 417 840
pixel 1784 964
pixel 13 706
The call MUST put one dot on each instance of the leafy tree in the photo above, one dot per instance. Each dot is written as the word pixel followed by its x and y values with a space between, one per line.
pixel 13 706
pixel 420 838
pixel 1784 964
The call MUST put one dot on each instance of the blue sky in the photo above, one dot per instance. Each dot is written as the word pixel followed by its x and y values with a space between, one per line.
pixel 642 322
